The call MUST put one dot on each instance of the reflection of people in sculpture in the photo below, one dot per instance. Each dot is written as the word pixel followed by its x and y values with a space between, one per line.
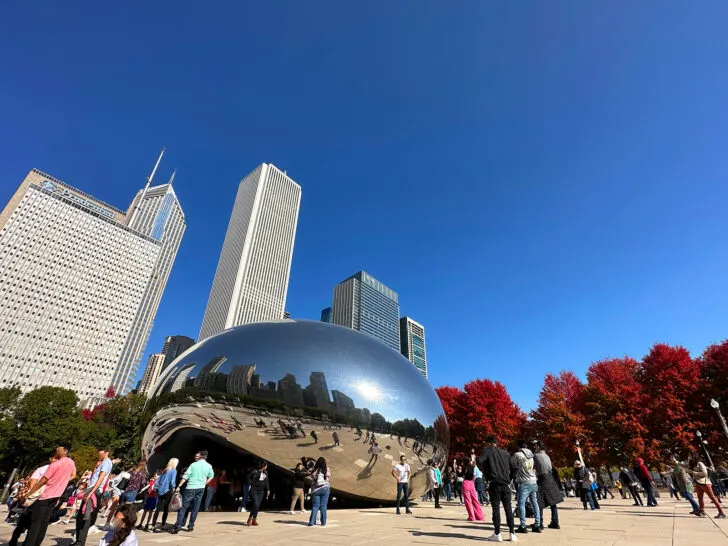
pixel 308 463
pixel 335 437
pixel 375 450
pixel 358 433
pixel 314 436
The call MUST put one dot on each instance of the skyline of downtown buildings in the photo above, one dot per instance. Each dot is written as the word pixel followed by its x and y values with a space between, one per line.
pixel 102 258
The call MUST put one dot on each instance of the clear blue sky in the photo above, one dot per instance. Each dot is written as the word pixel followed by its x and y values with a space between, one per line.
pixel 544 184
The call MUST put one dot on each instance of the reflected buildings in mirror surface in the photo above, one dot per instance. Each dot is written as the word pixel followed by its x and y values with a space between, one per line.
pixel 281 391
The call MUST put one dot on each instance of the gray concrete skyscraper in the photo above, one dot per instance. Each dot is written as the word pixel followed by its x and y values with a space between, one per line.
pixel 251 281
pixel 175 346
pixel 363 303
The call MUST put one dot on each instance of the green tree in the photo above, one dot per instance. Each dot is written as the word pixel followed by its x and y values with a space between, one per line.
pixel 9 400
pixel 46 418
pixel 85 458
pixel 123 414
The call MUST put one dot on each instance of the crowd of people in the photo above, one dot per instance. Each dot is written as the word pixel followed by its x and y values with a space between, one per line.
pixel 132 499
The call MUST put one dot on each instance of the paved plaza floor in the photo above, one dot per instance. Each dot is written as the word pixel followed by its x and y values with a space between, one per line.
pixel 617 523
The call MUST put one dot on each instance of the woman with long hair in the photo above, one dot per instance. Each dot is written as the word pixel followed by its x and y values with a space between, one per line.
pixel 259 488
pixel 122 528
pixel 299 482
pixel 470 496
pixel 164 488
pixel 320 490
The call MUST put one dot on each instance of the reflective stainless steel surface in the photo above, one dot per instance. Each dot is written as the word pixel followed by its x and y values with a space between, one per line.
pixel 263 389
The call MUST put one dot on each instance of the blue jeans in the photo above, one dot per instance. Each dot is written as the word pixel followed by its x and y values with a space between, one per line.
pixel 210 494
pixel 588 496
pixel 448 491
pixel 319 501
pixel 191 500
pixel 688 495
pixel 528 490
pixel 403 490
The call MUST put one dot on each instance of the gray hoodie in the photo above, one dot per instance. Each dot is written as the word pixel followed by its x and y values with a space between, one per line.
pixel 522 461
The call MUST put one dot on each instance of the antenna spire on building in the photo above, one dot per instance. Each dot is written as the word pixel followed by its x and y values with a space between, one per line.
pixel 171 178
pixel 154 170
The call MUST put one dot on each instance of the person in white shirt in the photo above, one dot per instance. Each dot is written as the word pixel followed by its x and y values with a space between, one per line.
pixel 401 473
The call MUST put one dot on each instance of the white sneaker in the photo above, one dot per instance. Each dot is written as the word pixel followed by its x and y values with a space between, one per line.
pixel 495 538
pixel 243 509
pixel 94 530
pixel 304 512
pixel 514 537
pixel 292 513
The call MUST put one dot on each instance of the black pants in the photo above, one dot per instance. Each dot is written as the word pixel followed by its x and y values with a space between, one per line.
pixel 501 493
pixel 22 525
pixel 257 495
pixel 647 486
pixel 606 491
pixel 436 493
pixel 163 506
pixel 635 495
pixel 39 518
pixel 85 518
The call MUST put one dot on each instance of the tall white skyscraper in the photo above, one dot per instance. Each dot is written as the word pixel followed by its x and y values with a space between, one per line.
pixel 151 373
pixel 251 281
pixel 80 282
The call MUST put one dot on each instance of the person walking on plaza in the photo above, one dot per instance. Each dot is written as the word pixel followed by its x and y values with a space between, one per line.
pixel 374 450
pixel 259 489
pixel 54 483
pixel 470 497
pixel 605 482
pixel 164 489
pixel 549 488
pixel 196 477
pixel 629 480
pixel 447 482
pixel 700 474
pixel 89 509
pixel 479 484
pixel 401 473
pixel 645 478
pixel 683 483
pixel 583 484
pixel 496 466
pixel 525 475
pixel 320 491
pixel 299 483
pixel 335 438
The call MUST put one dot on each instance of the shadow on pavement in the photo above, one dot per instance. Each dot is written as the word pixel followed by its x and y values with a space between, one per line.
pixel 446 535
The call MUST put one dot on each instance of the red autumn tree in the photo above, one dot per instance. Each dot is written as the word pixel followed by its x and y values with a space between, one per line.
pixel 110 393
pixel 614 410
pixel 481 408
pixel 714 372
pixel 672 389
pixel 558 420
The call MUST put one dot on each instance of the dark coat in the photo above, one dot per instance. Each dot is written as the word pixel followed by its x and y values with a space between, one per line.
pixel 549 492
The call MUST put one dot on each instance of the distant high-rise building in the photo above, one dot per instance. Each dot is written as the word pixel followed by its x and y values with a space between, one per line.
pixel 81 283
pixel 412 337
pixel 175 346
pixel 342 401
pixel 326 314
pixel 151 373
pixel 363 303
pixel 286 315
pixel 251 281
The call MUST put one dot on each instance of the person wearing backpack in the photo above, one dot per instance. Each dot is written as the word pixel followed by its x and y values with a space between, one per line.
pixel 523 465
pixel 320 491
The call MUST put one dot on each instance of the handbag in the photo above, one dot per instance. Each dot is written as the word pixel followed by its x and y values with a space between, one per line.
pixel 176 502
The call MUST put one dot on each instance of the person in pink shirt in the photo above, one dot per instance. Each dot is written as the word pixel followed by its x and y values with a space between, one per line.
pixel 55 480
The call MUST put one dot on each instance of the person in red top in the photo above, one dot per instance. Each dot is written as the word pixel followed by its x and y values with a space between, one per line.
pixel 645 478
pixel 56 478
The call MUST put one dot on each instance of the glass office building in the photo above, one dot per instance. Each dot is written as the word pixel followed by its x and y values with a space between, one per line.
pixel 412 338
pixel 363 303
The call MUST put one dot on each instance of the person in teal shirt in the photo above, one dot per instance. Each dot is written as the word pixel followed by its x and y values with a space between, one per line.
pixel 196 477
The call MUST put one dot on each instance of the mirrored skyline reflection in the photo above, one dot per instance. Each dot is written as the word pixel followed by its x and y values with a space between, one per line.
pixel 291 361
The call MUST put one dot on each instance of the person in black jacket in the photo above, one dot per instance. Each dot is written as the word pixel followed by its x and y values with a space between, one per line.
pixel 496 466
pixel 299 482
pixel 259 488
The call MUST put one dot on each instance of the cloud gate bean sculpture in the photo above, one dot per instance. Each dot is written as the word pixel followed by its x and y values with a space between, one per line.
pixel 284 390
